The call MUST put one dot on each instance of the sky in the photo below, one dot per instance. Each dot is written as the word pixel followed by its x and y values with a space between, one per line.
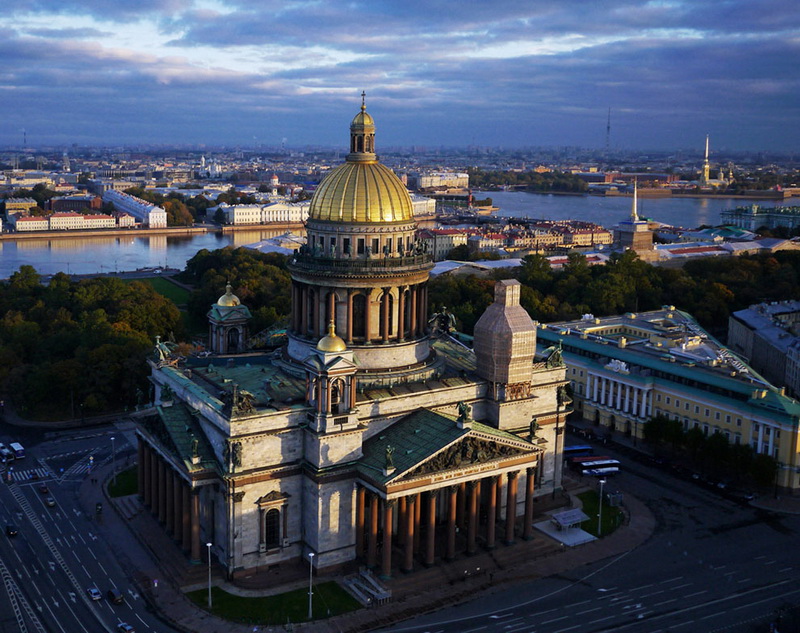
pixel 450 73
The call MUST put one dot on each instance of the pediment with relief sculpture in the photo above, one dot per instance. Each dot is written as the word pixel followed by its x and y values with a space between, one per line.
pixel 469 451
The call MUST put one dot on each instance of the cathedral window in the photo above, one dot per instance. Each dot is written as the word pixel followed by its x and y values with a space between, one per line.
pixel 272 528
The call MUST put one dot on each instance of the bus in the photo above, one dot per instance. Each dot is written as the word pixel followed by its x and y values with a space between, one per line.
pixel 575 462
pixel 599 467
pixel 582 450
pixel 17 449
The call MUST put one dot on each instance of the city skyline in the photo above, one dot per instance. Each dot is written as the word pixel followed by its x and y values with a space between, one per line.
pixel 505 74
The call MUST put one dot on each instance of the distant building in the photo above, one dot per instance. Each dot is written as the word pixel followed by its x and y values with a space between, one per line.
pixel 432 180
pixel 627 369
pixel 17 206
pixel 439 242
pixel 763 335
pixel 272 213
pixel 753 217
pixel 423 206
pixel 148 214
pixel 78 202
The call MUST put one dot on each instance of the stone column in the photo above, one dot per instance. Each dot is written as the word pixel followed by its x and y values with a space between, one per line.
pixel 372 541
pixel 368 316
pixel 349 339
pixel 304 310
pixel 386 563
pixel 430 536
pixel 385 315
pixel 413 311
pixel 461 505
pixel 169 514
pixel 195 520
pixel 511 508
pixel 527 530
pixel 401 313
pixel 186 518
pixel 146 476
pixel 361 493
pixel 402 508
pixel 177 501
pixel 492 513
pixel 472 519
pixel 451 523
pixel 295 311
pixel 315 326
pixel 140 467
pixel 595 383
pixel 331 307
pixel 162 491
pixel 154 459
pixel 408 562
pixel 627 406
pixel 417 517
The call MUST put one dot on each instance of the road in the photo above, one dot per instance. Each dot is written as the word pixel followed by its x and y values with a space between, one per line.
pixel 58 553
pixel 712 565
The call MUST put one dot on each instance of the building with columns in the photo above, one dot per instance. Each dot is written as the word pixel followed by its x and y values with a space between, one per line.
pixel 372 437
pixel 627 369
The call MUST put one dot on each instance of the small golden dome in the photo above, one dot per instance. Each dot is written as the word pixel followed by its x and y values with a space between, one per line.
pixel 362 119
pixel 228 300
pixel 331 342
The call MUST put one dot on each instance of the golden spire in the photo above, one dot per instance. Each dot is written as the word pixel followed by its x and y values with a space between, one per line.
pixel 331 342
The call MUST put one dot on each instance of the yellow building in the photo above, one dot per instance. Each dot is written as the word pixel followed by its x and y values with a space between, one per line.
pixel 627 369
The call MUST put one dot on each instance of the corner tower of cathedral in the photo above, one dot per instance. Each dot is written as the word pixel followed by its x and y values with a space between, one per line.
pixel 362 269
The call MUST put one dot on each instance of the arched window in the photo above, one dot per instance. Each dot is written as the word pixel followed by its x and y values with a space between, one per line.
pixel 233 340
pixel 359 317
pixel 272 528
pixel 336 396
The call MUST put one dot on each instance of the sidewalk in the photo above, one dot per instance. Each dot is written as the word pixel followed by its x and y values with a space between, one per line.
pixel 135 535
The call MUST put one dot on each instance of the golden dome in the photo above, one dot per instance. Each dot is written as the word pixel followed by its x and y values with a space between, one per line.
pixel 228 300
pixel 331 342
pixel 361 192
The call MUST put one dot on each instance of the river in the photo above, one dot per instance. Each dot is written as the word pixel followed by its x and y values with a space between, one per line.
pixel 125 253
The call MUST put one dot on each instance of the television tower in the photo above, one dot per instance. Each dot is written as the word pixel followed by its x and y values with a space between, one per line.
pixel 608 131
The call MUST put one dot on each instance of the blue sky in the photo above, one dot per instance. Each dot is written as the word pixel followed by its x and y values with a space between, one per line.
pixel 437 72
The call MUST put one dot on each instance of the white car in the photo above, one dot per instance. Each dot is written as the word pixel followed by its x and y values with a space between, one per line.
pixel 94 593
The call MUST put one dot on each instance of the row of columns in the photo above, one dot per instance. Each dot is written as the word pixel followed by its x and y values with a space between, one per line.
pixel 397 319
pixel 619 395
pixel 170 497
pixel 462 502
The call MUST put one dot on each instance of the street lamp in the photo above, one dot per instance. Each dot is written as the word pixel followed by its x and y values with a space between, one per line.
pixel 208 545
pixel 600 510
pixel 310 587
pixel 113 460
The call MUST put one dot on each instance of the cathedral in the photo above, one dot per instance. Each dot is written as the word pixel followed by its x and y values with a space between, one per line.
pixel 373 437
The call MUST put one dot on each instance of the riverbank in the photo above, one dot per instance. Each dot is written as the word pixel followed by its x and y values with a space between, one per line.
pixel 167 231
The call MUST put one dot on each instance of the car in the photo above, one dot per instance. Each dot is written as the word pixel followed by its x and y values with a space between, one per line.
pixel 50 502
pixel 115 595
pixel 94 593
pixel 44 489
pixel 124 627
pixel 11 530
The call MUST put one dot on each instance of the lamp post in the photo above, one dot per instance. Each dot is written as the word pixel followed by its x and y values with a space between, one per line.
pixel 113 460
pixel 310 588
pixel 208 546
pixel 600 510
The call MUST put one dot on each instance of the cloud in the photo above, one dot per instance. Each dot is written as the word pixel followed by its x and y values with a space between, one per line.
pixel 436 72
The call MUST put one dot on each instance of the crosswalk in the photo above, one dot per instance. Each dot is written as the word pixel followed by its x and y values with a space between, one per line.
pixel 29 474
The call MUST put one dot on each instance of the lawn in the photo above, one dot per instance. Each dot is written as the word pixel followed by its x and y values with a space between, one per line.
pixel 329 599
pixel 611 519
pixel 179 296
pixel 127 483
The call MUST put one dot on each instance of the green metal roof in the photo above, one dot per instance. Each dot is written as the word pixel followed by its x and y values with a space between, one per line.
pixel 415 438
